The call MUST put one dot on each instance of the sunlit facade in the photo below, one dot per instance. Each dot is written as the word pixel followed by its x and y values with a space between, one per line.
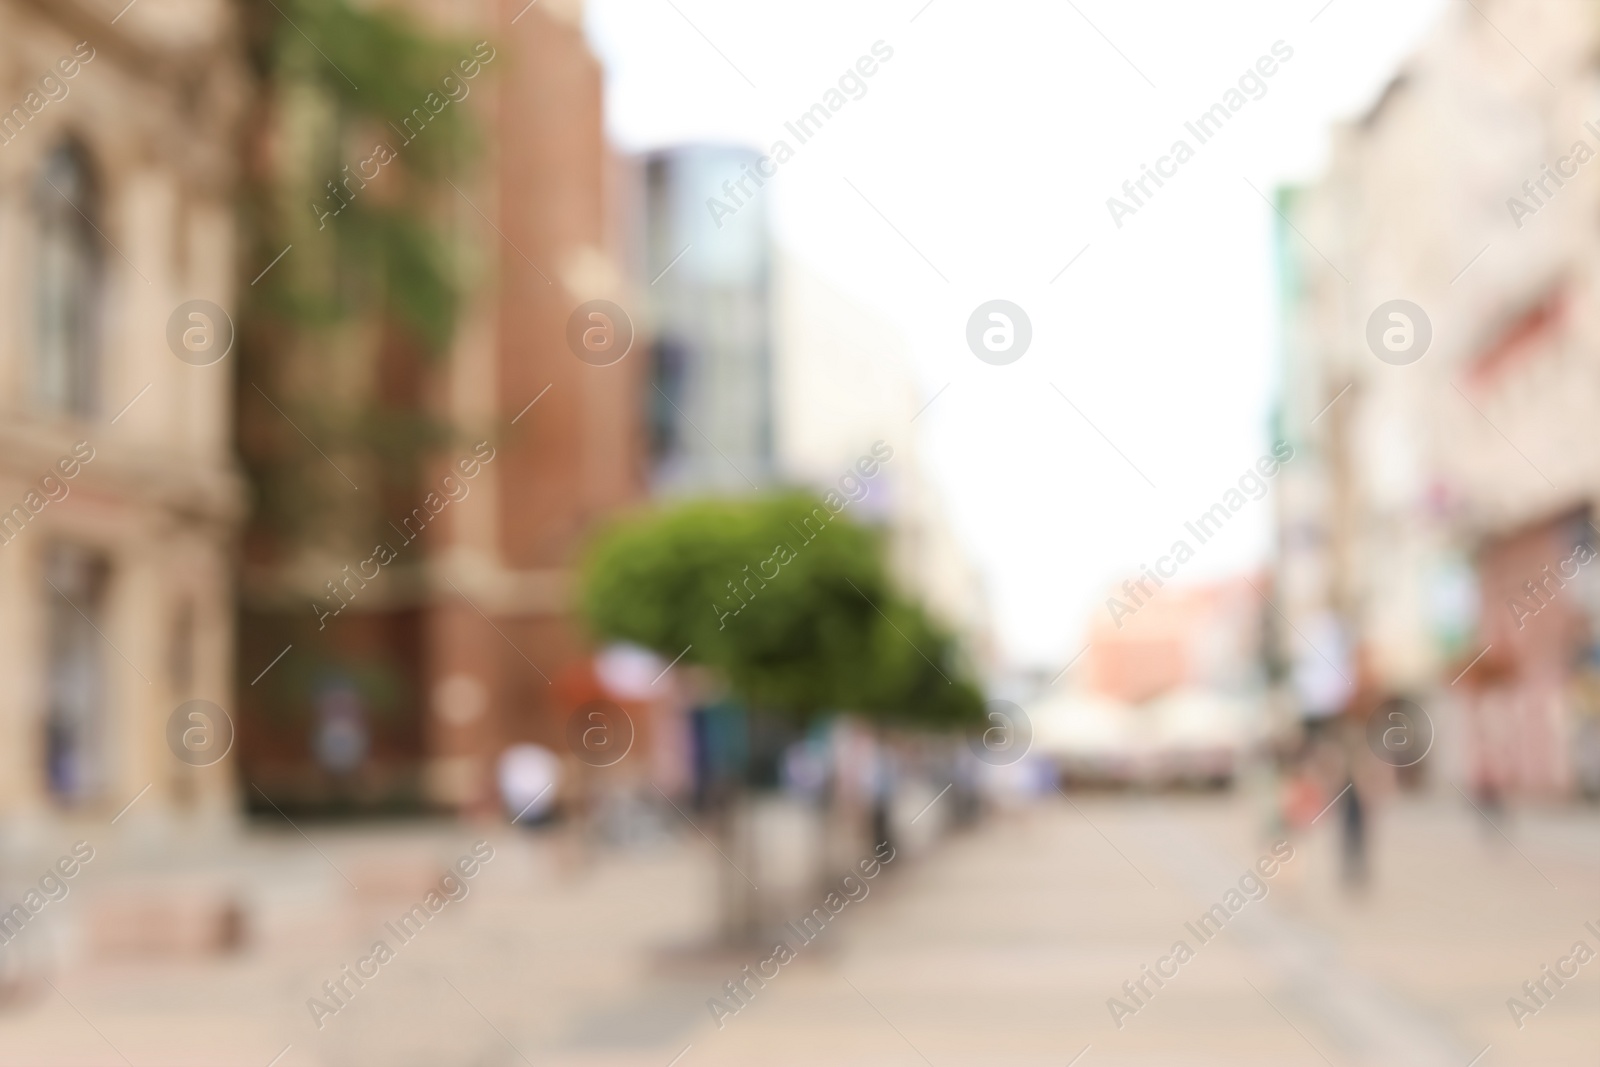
pixel 1432 490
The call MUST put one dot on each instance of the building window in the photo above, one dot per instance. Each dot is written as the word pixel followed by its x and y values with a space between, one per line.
pixel 76 684
pixel 69 272
pixel 667 372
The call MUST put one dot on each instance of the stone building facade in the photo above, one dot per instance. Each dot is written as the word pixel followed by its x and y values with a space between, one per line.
pixel 119 500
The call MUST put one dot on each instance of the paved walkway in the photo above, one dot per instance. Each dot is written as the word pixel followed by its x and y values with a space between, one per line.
pixel 1001 947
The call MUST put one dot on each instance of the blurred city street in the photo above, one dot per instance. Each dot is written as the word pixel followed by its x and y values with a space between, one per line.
pixel 1002 947
pixel 673 533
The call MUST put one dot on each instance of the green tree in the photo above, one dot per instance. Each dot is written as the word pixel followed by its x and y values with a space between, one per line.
pixel 791 604
pixel 342 334
pixel 793 607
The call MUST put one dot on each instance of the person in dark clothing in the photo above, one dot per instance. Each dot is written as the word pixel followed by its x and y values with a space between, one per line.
pixel 1353 820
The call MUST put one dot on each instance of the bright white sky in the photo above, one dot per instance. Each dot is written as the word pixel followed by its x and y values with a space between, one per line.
pixel 991 140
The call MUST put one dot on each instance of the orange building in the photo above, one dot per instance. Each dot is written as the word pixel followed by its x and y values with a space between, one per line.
pixel 1179 636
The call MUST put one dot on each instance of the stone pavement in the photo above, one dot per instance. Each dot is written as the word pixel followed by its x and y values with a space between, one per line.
pixel 1000 946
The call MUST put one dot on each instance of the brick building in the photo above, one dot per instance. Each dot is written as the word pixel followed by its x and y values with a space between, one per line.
pixel 568 462
pixel 467 644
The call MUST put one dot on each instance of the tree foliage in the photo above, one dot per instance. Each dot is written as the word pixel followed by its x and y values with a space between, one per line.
pixel 341 333
pixel 789 603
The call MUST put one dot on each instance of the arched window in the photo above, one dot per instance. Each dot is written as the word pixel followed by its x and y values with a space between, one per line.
pixel 69 269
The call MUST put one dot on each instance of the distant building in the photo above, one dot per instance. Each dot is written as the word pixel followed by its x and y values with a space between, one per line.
pixel 1428 493
pixel 119 497
pixel 1202 636
pixel 763 376
pixel 843 382
pixel 707 279
pixel 1169 693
